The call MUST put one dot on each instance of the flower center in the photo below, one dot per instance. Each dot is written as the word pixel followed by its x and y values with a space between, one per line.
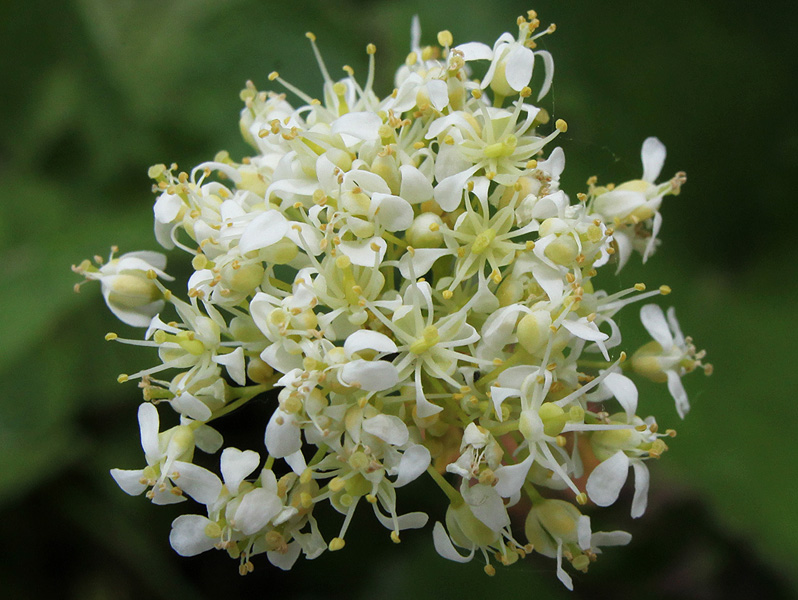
pixel 429 337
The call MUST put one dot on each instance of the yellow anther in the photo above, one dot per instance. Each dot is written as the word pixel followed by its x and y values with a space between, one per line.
pixel 371 498
pixel 371 49
pixel 525 92
pixel 561 125
pixel 336 484
pixel 110 336
pixel 581 498
pixel 447 294
pixel 311 36
pixel 336 544
pixel 665 290
pixel 490 570
pixel 530 245
pixel 395 537
pixel 122 378
pixel 273 75
pixel 640 287
pixel 445 38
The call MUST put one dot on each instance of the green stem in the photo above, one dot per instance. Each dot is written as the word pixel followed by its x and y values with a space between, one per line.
pixel 454 496
pixel 251 392
pixel 320 453
pixel 533 494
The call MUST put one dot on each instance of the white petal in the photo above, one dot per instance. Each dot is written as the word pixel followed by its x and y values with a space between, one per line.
pixel 372 376
pixel 280 359
pixel 676 388
pixel 165 496
pixel 605 482
pixel 653 320
pixel 167 207
pixel 438 93
pixel 362 125
pixel 188 535
pixel 421 261
pixel 199 483
pixel 518 67
pixel 191 406
pixel 368 181
pixel 257 508
pixel 263 231
pixel 234 363
pixel 618 203
pixel 640 500
pixel 655 227
pixel 414 520
pixel 550 280
pixel 391 212
pixel 653 156
pixel 583 533
pixel 129 481
pixel 414 462
pixel 388 428
pixel 441 124
pixel 611 538
pixel 208 439
pixel 308 237
pixel 449 192
pixel 548 65
pixel 415 187
pixel 585 330
pixel 444 546
pixel 297 462
pixel 287 560
pixel 624 391
pixel 282 434
pixel 475 51
pixel 499 395
pixel 237 465
pixel 143 260
pixel 487 506
pixel 228 170
pixel 564 577
pixel 678 336
pixel 511 477
pixel 498 329
pixel 363 253
pixel 365 339
pixel 148 426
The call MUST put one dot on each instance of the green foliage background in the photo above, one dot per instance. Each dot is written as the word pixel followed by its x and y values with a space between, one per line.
pixel 94 91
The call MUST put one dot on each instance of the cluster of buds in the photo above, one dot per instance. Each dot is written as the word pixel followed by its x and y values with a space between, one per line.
pixel 407 284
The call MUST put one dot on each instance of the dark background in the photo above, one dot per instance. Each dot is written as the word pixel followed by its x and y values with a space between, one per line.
pixel 95 91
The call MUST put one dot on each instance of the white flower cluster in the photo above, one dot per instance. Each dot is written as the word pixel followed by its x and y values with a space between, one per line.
pixel 409 281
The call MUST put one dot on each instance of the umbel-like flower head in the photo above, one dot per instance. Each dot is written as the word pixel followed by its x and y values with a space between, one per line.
pixel 406 283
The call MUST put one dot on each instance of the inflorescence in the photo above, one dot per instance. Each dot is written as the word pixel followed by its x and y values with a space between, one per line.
pixel 408 280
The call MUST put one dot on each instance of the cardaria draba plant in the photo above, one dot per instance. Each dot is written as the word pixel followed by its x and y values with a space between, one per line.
pixel 403 279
